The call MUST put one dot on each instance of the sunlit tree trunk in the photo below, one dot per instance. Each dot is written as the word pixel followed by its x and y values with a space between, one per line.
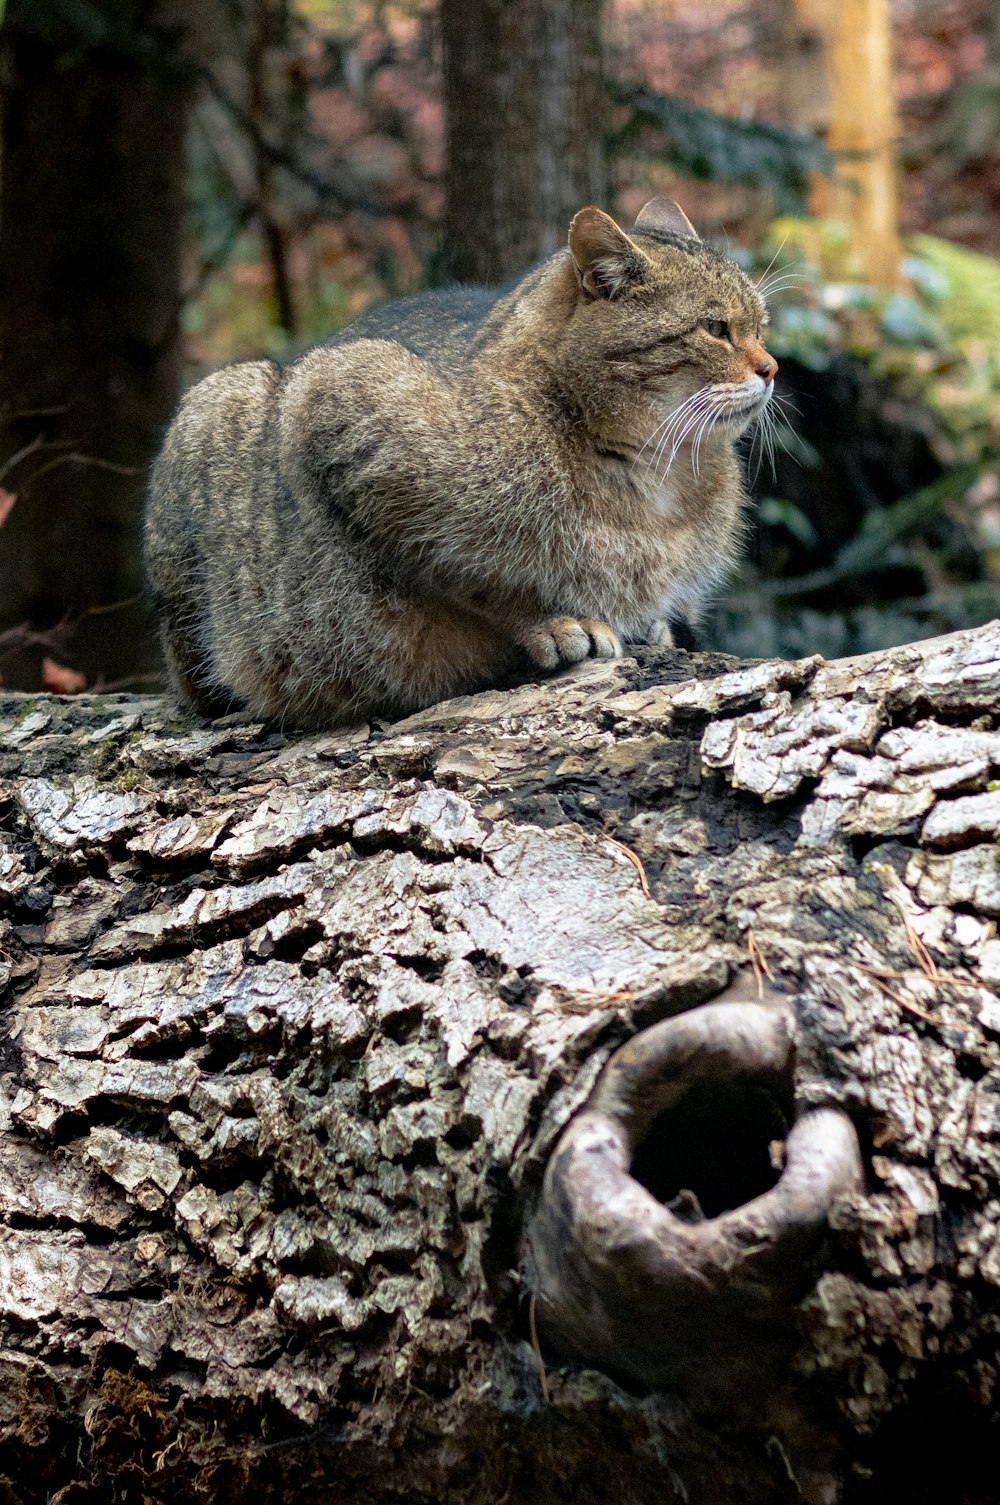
pixel 524 104
pixel 835 78
pixel 863 123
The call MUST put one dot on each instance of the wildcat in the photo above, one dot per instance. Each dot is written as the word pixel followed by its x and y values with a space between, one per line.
pixel 462 479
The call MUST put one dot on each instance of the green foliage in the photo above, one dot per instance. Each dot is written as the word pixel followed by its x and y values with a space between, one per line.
pixel 964 285
pixel 702 144
pixel 79 27
pixel 939 338
pixel 745 626
pixel 216 214
pixel 777 512
pixel 132 33
pixel 925 563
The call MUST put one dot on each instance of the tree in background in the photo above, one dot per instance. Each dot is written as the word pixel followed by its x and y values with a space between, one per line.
pixel 525 118
pixel 91 220
pixel 836 79
pixel 802 77
pixel 863 124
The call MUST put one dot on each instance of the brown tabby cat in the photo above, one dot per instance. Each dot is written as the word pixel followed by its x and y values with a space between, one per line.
pixel 460 479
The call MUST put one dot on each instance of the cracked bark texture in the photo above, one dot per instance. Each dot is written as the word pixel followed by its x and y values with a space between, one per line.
pixel 292 1026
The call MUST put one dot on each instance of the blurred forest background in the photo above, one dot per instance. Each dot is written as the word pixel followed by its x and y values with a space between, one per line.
pixel 188 182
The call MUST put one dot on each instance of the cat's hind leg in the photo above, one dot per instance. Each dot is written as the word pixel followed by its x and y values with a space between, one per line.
pixel 189 680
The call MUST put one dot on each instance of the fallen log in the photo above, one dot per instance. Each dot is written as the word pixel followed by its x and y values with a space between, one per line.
pixel 584 1091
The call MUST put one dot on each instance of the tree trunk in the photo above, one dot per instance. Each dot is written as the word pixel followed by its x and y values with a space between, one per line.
pixel 864 127
pixel 359 1090
pixel 525 119
pixel 91 214
pixel 803 78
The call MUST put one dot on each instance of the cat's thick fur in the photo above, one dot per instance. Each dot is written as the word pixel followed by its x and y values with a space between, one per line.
pixel 461 478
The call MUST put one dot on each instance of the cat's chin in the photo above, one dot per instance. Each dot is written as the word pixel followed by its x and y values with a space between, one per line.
pixel 738 419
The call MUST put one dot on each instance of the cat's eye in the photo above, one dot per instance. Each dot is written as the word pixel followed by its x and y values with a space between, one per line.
pixel 717 328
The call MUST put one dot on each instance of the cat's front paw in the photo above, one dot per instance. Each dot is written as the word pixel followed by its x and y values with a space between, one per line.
pixel 566 640
pixel 659 634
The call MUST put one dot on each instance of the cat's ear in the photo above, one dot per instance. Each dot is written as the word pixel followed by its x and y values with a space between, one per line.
pixel 607 262
pixel 664 214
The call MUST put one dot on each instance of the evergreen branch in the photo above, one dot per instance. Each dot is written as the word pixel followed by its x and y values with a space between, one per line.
pixel 715 147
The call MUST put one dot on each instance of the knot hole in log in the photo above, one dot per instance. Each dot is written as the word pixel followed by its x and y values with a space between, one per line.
pixel 683 1206
pixel 720 1146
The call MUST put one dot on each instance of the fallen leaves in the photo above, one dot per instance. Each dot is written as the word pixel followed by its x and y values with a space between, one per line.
pixel 59 679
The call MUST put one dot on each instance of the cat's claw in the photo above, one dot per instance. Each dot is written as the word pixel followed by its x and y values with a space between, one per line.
pixel 567 640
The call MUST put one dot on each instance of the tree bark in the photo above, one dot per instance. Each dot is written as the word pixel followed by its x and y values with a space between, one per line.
pixel 803 78
pixel 91 216
pixel 344 1078
pixel 525 120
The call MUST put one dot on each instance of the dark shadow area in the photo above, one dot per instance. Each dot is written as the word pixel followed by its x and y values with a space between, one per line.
pixel 712 1152
pixel 865 447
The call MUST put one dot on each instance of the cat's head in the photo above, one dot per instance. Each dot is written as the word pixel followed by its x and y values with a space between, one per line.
pixel 664 331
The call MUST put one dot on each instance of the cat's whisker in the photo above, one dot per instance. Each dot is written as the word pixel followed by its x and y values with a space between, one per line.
pixel 665 438
pixel 785 274
pixel 682 437
pixel 677 422
pixel 769 431
pixel 779 273
pixel 721 402
pixel 708 422
pixel 682 413
pixel 765 431
pixel 770 426
pixel 776 440
pixel 756 443
pixel 682 420
pixel 780 285
pixel 658 429
pixel 682 433
pixel 770 264
pixel 779 417
pixel 696 443
pixel 707 432
pixel 691 422
pixel 779 289
pixel 762 452
pixel 781 443
pixel 663 427
pixel 783 401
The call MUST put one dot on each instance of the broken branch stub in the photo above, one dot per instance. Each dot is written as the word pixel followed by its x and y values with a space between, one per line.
pixel 663 1295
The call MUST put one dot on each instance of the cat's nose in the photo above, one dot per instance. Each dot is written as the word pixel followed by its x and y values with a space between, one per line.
pixel 767 366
